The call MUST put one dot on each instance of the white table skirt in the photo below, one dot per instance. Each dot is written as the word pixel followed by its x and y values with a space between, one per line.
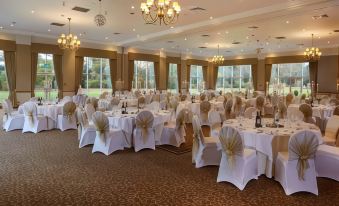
pixel 51 111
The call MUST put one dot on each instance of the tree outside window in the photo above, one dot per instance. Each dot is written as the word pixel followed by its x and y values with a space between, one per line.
pixel 172 85
pixel 144 77
pixel 293 76
pixel 234 78
pixel 4 93
pixel 96 76
pixel 45 78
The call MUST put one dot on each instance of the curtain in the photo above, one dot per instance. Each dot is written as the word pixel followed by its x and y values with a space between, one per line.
pixel 130 74
pixel 215 76
pixel 11 74
pixel 313 69
pixel 179 76
pixel 34 66
pixel 268 70
pixel 156 74
pixel 204 75
pixel 188 76
pixel 79 67
pixel 254 70
pixel 57 62
pixel 113 72
pixel 167 74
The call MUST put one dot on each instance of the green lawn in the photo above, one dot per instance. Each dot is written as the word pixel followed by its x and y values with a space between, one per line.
pixel 3 95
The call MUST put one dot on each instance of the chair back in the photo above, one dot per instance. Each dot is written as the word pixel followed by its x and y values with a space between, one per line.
pixel 69 109
pixel 67 99
pixel 141 100
pixel 101 124
pixel 144 121
pixel 307 111
pixel 156 98
pixel 237 105
pixel 103 95
pixel 332 127
pixel 231 143
pixel 302 147
pixel 154 106
pixel 205 107
pixel 198 135
pixel 325 100
pixel 89 109
pixel 259 102
pixel 282 110
pixel 249 112
pixel 228 109
pixel 7 108
pixel 334 102
pixel 289 99
pixel 275 100
pixel 30 111
pixel 180 121
pixel 220 98
pixel 214 118
pixel 203 97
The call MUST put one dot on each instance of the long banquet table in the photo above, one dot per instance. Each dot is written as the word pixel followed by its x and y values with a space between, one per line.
pixel 269 141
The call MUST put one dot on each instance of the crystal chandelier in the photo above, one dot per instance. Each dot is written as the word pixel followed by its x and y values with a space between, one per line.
pixel 312 54
pixel 218 59
pixel 100 19
pixel 69 41
pixel 164 11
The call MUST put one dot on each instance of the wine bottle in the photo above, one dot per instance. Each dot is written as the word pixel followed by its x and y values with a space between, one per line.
pixel 257 120
pixel 276 118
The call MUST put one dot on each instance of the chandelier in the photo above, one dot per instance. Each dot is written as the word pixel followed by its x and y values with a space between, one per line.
pixel 160 10
pixel 218 59
pixel 312 54
pixel 100 19
pixel 69 41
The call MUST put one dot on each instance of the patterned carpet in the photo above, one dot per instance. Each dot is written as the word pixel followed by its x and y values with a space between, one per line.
pixel 50 169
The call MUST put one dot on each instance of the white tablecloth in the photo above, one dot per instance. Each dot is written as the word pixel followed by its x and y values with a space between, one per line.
pixel 269 141
pixel 52 111
pixel 320 111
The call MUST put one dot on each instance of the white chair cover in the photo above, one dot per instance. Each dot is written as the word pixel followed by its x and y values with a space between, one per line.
pixel 327 162
pixel 67 120
pixel 249 112
pixel 106 141
pixel 174 133
pixel 295 170
pixel 144 133
pixel 238 165
pixel 331 131
pixel 33 122
pixel 11 120
pixel 215 123
pixel 205 107
pixel 87 132
pixel 89 109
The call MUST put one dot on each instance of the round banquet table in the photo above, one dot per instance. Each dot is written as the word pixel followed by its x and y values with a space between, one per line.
pixel 195 107
pixel 126 122
pixel 269 141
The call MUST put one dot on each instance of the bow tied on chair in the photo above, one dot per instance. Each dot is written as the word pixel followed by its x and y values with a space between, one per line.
pixel 231 144
pixel 144 121
pixel 69 110
pixel 101 124
pixel 302 148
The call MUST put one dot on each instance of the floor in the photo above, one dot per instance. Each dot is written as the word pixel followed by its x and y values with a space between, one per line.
pixel 50 169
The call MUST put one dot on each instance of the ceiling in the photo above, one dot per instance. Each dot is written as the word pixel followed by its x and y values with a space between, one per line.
pixel 224 21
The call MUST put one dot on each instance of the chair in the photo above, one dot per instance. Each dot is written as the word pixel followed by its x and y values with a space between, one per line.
pixel 11 120
pixel 259 102
pixel 66 99
pixel 327 162
pixel 174 132
pixel 238 165
pixel 67 120
pixel 295 169
pixel 89 109
pixel 107 140
pixel 143 135
pixel 228 109
pixel 205 149
pixel 249 112
pixel 33 122
pixel 294 114
pixel 86 131
pixel 154 106
pixel 307 111
pixel 237 105
pixel 331 131
pixel 220 98
pixel 215 123
pixel 282 110
pixel 336 111
pixel 205 107
pixel 289 99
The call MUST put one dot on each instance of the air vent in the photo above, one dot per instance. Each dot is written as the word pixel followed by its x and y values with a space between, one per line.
pixel 80 9
pixel 236 42
pixel 132 13
pixel 57 24
pixel 319 16
pixel 205 35
pixel 116 33
pixel 253 27
pixel 202 47
pixel 337 30
pixel 280 37
pixel 197 9
pixel 170 41
pixel 228 51
pixel 300 44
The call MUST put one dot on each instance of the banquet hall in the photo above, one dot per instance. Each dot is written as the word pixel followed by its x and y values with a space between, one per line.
pixel 169 102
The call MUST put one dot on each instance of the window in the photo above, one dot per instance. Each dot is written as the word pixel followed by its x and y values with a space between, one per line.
pixel 196 79
pixel 234 78
pixel 45 77
pixel 3 79
pixel 96 76
pixel 291 77
pixel 173 78
pixel 144 77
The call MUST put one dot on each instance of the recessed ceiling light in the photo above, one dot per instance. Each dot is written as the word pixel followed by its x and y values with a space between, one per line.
pixel 106 37
pixel 49 30
pixel 132 7
pixel 133 29
pixel 267 43
pixel 328 42
pixel 287 22
pixel 172 27
pixel 318 37
pixel 304 30
pixel 185 38
pixel 218 33
pixel 32 11
pixel 226 32
pixel 1 27
pixel 13 23
pixel 162 48
pixel 206 43
pixel 247 37
pixel 211 17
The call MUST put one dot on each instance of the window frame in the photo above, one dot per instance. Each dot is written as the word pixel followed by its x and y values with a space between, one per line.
pixel 147 84
pixel 175 78
pixel 232 77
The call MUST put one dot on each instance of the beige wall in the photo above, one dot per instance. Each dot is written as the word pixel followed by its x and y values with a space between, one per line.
pixel 68 70
pixel 162 74
pixel 327 73
pixel 23 72
pixel 261 75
